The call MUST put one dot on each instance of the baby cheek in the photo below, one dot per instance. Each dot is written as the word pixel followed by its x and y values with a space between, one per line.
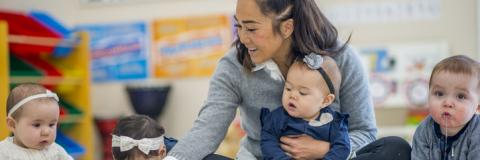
pixel 432 108
pixel 466 115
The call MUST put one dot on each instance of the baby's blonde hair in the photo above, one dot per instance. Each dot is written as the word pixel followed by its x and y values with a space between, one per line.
pixel 23 91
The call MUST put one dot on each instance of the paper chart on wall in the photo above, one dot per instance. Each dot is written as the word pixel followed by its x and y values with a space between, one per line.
pixel 399 72
pixel 384 11
pixel 118 51
pixel 189 47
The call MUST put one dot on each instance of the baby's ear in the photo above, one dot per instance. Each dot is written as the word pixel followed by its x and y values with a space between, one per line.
pixel 328 99
pixel 162 152
pixel 11 124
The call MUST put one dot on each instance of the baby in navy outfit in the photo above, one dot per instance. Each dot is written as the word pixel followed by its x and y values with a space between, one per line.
pixel 309 90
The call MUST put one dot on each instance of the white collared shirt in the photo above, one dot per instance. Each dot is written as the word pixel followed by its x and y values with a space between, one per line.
pixel 272 68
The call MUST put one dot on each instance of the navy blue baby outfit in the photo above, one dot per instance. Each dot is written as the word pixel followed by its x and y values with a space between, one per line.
pixel 278 123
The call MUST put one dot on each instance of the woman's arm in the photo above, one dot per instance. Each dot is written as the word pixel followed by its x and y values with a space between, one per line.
pixel 355 99
pixel 215 116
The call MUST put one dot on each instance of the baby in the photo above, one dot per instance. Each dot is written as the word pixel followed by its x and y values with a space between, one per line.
pixel 452 130
pixel 310 88
pixel 140 137
pixel 33 113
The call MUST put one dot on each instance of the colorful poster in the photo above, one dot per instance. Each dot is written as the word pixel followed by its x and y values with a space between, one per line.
pixel 189 47
pixel 118 51
pixel 399 72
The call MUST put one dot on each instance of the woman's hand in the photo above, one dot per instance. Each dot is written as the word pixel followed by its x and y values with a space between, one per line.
pixel 304 147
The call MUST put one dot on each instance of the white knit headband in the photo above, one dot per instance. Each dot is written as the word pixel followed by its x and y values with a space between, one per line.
pixel 47 94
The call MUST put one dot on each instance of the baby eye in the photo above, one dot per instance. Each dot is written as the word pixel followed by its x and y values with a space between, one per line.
pixel 36 125
pixel 287 89
pixel 303 93
pixel 438 93
pixel 52 124
pixel 461 96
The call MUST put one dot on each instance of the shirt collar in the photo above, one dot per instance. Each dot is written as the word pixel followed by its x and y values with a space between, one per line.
pixel 272 68
pixel 260 66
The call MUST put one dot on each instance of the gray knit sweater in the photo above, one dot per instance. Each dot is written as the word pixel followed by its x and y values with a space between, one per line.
pixel 427 144
pixel 231 87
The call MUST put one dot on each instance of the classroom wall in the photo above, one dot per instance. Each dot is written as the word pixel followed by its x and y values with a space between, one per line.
pixel 186 96
pixel 110 99
pixel 457 25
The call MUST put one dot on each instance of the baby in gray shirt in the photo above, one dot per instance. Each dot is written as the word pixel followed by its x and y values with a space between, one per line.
pixel 452 130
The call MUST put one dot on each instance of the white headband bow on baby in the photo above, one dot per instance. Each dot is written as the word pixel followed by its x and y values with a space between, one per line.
pixel 145 144
pixel 47 94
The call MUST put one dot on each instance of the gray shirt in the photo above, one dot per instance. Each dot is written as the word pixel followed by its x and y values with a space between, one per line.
pixel 231 87
pixel 426 144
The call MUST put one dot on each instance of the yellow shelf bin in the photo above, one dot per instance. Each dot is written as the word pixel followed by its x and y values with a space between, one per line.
pixel 74 88
pixel 3 78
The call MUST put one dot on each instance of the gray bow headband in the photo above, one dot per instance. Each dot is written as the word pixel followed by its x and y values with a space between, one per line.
pixel 315 61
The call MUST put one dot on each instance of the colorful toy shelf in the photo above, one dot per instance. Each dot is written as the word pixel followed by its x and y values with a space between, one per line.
pixel 32 57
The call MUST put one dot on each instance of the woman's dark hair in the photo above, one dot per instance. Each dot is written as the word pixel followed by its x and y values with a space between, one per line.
pixel 136 127
pixel 312 31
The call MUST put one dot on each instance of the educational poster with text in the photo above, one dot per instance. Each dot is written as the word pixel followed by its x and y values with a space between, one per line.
pixel 189 47
pixel 118 51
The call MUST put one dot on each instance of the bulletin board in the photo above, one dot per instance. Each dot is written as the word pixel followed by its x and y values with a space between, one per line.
pixel 118 51
pixel 189 47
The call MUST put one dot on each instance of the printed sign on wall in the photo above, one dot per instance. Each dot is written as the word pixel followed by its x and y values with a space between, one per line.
pixel 399 73
pixel 364 12
pixel 118 51
pixel 189 47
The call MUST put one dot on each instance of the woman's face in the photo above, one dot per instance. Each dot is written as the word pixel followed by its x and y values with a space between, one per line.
pixel 256 33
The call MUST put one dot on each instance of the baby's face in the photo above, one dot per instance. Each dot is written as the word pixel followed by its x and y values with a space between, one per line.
pixel 303 95
pixel 36 126
pixel 453 99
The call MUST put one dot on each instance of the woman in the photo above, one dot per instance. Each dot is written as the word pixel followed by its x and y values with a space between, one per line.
pixel 270 34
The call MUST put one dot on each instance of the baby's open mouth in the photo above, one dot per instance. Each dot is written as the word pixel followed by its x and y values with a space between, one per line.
pixel 291 105
pixel 44 142
pixel 446 115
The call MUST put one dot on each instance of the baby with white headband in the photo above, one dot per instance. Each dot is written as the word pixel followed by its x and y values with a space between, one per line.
pixel 32 117
pixel 139 137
